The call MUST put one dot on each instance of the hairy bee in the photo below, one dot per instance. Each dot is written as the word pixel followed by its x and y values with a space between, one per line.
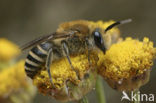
pixel 71 38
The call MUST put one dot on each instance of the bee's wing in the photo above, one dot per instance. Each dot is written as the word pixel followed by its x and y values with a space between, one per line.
pixel 43 39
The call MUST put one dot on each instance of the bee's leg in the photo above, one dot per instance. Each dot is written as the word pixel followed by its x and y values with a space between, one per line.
pixel 89 57
pixel 89 62
pixel 89 50
pixel 66 52
pixel 67 88
pixel 48 63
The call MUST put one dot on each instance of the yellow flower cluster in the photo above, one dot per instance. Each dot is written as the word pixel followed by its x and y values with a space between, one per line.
pixel 12 79
pixel 9 79
pixel 15 87
pixel 127 61
pixel 8 50
pixel 62 72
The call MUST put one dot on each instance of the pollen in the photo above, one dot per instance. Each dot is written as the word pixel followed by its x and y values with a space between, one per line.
pixel 129 60
pixel 8 50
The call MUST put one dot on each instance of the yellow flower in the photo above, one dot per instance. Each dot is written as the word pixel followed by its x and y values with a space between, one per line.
pixel 9 80
pixel 8 50
pixel 14 86
pixel 64 77
pixel 126 65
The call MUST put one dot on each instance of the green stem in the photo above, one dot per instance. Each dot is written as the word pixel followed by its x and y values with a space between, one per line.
pixel 136 92
pixel 83 100
pixel 100 90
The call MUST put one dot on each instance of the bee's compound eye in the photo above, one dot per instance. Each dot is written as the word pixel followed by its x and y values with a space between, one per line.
pixel 97 37
pixel 99 42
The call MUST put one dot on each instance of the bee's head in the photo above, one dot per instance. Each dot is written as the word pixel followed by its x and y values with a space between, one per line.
pixel 98 39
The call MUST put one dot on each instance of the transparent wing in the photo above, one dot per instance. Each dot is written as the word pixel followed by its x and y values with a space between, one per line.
pixel 43 39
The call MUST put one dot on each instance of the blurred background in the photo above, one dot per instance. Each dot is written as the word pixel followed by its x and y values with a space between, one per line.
pixel 24 20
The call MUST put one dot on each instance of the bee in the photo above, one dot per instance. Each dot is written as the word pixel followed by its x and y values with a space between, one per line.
pixel 71 38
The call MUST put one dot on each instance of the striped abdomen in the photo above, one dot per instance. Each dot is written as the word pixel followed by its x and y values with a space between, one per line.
pixel 36 59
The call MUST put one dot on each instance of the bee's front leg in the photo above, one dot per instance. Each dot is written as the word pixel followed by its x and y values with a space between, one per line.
pixel 89 57
pixel 66 53
pixel 88 50
pixel 48 63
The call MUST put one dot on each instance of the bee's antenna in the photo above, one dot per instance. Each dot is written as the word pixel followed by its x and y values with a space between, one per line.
pixel 117 23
